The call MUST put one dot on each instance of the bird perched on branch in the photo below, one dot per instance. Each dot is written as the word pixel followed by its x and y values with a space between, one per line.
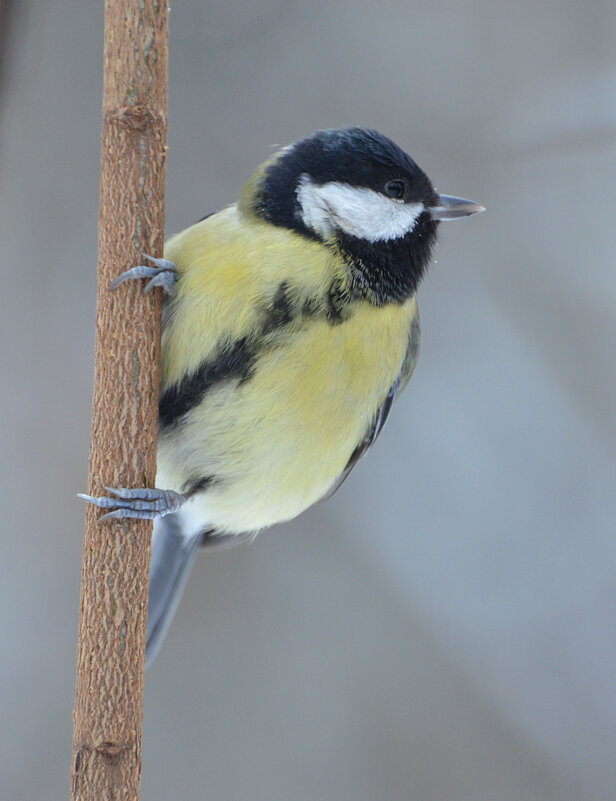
pixel 290 326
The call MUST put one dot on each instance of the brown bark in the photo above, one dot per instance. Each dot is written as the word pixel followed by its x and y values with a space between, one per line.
pixel 114 582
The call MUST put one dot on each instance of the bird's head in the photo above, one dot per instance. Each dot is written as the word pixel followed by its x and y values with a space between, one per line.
pixel 356 190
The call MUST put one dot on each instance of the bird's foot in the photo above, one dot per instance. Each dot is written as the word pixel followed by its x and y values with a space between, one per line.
pixel 145 504
pixel 164 274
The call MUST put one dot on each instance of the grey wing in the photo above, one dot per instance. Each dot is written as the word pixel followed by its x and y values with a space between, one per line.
pixel 380 418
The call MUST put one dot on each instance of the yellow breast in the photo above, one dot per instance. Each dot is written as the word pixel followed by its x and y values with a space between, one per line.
pixel 276 441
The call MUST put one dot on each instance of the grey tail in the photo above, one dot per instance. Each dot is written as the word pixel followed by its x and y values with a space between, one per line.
pixel 173 555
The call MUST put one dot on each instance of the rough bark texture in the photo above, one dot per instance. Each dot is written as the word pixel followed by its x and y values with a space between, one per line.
pixel 114 582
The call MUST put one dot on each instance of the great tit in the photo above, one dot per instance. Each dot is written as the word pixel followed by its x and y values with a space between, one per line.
pixel 290 326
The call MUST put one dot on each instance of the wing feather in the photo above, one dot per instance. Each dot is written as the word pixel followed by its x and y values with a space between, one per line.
pixel 380 418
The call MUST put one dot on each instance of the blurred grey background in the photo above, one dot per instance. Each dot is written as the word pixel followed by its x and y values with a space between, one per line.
pixel 444 628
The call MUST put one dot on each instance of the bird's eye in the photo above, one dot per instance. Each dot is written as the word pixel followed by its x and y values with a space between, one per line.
pixel 396 188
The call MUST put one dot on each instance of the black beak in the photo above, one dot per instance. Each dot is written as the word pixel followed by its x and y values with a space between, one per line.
pixel 450 208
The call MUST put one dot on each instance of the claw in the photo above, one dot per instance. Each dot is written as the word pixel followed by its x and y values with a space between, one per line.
pixel 165 274
pixel 144 504
pixel 163 264
pixel 163 279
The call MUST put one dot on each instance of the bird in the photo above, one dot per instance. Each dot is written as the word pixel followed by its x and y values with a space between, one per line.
pixel 290 327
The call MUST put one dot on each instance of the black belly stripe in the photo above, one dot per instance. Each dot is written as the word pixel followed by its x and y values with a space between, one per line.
pixel 281 311
pixel 195 485
pixel 235 361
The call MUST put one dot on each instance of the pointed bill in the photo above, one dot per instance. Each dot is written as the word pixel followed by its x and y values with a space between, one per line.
pixel 450 208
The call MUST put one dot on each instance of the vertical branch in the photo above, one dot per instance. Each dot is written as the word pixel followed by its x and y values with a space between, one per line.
pixel 114 581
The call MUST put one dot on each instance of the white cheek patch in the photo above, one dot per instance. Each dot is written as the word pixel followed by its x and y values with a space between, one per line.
pixel 357 211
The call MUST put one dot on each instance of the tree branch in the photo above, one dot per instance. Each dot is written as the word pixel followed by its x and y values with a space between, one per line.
pixel 114 581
